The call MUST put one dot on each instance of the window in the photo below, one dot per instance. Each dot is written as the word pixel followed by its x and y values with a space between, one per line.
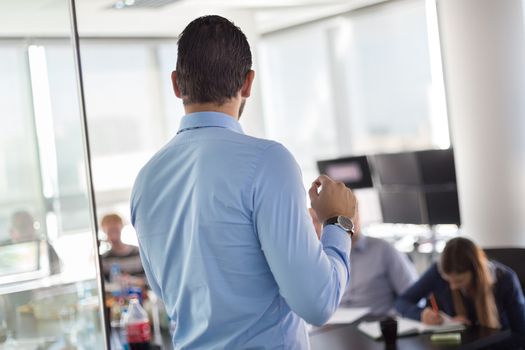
pixel 20 184
pixel 145 118
pixel 355 84
pixel 298 94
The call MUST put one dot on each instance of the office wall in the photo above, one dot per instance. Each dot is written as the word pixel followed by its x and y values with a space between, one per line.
pixel 484 50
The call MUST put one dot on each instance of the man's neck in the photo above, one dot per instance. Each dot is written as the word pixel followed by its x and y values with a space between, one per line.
pixel 230 108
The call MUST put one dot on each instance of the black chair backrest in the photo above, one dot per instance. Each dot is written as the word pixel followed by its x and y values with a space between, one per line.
pixel 512 257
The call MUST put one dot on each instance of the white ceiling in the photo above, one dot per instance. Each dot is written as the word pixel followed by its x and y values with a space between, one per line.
pixel 43 18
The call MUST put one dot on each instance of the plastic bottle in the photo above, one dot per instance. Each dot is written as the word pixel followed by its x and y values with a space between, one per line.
pixel 137 326
pixel 118 281
pixel 114 274
pixel 123 336
pixel 115 312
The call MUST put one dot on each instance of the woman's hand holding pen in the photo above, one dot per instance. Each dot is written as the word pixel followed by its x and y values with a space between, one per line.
pixel 429 316
pixel 432 315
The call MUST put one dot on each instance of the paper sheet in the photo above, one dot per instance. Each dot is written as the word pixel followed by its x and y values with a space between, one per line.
pixel 348 315
pixel 407 326
pixel 448 325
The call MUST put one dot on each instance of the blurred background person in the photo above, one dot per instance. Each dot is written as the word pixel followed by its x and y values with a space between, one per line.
pixel 379 273
pixel 23 229
pixel 124 255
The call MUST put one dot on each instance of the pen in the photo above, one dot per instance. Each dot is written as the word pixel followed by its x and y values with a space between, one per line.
pixel 434 304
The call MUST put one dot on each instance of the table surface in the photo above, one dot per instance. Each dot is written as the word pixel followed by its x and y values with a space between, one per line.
pixel 335 337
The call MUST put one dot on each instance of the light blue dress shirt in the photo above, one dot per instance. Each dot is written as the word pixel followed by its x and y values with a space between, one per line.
pixel 227 242
pixel 380 273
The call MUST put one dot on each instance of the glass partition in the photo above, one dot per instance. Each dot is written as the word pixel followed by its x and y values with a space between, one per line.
pixel 50 297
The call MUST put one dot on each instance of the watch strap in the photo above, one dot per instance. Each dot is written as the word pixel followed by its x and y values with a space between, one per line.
pixel 331 221
pixel 335 221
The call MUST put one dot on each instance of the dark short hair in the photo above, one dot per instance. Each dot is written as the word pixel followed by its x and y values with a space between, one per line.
pixel 213 60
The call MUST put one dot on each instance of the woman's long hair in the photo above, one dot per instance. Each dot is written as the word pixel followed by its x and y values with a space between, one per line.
pixel 462 255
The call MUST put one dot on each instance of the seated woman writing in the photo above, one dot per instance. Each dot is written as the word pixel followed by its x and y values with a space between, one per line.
pixel 470 288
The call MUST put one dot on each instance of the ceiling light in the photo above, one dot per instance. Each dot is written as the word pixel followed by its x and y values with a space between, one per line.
pixel 132 4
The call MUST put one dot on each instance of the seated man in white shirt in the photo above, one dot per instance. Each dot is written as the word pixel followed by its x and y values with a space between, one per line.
pixel 379 272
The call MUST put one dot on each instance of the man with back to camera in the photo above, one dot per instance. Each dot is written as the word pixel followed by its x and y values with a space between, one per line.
pixel 221 218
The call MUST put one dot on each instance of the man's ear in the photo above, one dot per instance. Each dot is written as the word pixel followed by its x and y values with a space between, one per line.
pixel 175 85
pixel 247 86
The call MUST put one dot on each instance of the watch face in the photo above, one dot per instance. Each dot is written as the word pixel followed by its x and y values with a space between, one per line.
pixel 345 222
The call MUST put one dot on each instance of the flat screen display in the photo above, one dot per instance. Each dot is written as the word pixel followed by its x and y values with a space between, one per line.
pixel 354 172
pixel 414 206
pixel 437 167
pixel 421 168
pixel 443 207
pixel 20 257
pixel 397 169
pixel 402 207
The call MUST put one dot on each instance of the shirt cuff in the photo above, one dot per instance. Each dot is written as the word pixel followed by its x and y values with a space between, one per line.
pixel 336 237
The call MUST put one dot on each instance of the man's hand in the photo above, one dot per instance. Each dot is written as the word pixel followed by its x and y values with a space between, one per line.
pixel 333 199
pixel 429 316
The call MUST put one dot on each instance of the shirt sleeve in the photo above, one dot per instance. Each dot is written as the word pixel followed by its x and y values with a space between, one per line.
pixel 152 281
pixel 312 275
pixel 407 303
pixel 401 272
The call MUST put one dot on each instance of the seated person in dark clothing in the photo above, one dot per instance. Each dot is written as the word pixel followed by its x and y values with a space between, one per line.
pixel 471 289
pixel 125 255
pixel 23 230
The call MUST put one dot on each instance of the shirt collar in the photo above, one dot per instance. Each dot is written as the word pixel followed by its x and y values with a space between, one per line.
pixel 209 119
pixel 360 245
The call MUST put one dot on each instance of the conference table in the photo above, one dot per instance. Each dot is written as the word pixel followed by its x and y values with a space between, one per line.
pixel 348 337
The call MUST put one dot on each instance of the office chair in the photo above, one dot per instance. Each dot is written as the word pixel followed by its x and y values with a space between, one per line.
pixel 512 257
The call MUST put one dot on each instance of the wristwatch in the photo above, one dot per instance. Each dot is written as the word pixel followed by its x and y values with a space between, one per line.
pixel 343 222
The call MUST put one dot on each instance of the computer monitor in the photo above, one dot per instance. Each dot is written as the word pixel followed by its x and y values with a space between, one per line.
pixel 436 166
pixel 354 172
pixel 417 206
pixel 420 168
pixel 418 187
pixel 402 207
pixel 414 187
pixel 19 257
pixel 394 169
pixel 443 206
pixel 20 261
